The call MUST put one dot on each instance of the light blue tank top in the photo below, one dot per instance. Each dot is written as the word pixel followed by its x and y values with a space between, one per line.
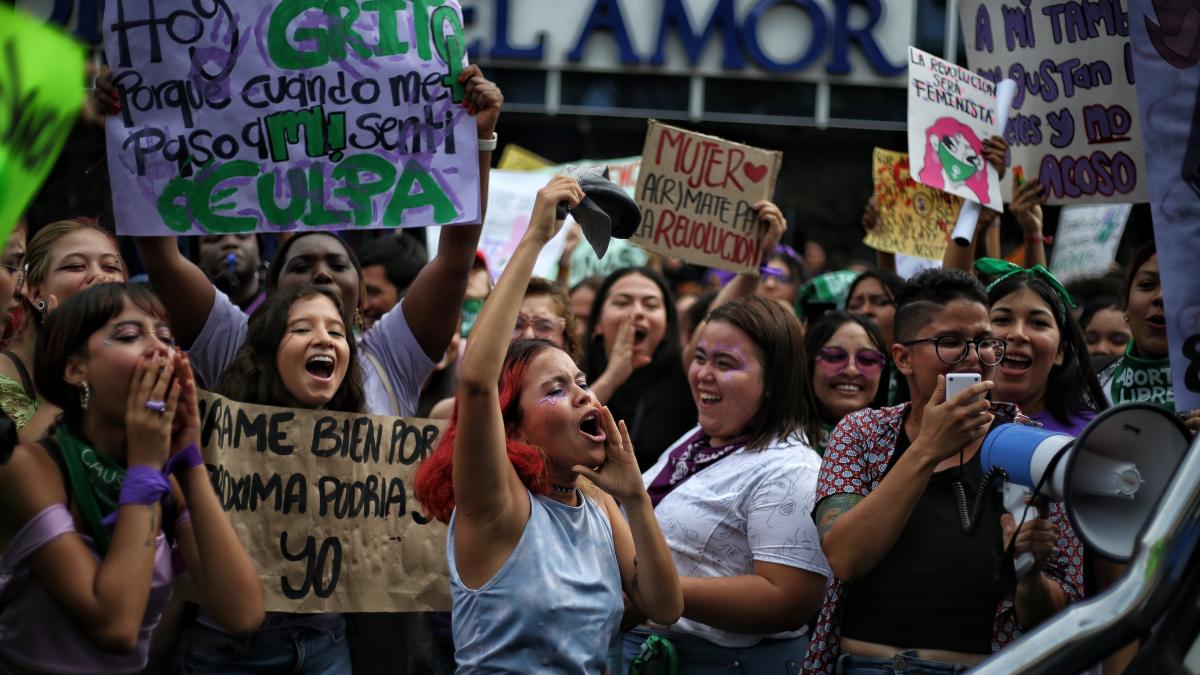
pixel 555 604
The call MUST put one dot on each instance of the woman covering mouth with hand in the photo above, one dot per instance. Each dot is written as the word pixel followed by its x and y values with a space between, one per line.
pixel 298 353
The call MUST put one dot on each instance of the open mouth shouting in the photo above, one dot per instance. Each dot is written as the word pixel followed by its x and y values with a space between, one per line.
pixel 1157 322
pixel 320 367
pixel 1015 364
pixel 589 426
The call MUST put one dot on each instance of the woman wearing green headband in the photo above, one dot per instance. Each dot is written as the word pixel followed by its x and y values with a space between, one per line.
pixel 1046 369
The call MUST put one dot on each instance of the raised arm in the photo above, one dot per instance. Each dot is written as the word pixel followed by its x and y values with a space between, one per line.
pixel 746 284
pixel 486 486
pixel 182 286
pixel 857 531
pixel 221 570
pixel 443 282
pixel 1027 207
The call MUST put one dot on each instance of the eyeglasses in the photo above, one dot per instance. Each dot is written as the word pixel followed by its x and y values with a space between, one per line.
pixel 770 273
pixel 542 326
pixel 835 360
pixel 952 349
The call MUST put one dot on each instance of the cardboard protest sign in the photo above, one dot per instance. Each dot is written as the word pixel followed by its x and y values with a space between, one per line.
pixel 41 92
pixel 517 158
pixel 1086 241
pixel 951 111
pixel 916 219
pixel 1166 57
pixel 1074 124
pixel 323 503
pixel 273 115
pixel 697 192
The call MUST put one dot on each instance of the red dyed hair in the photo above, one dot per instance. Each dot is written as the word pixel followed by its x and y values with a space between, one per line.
pixel 435 485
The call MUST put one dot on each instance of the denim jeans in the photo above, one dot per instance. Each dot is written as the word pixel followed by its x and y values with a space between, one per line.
pixel 283 649
pixel 905 662
pixel 701 657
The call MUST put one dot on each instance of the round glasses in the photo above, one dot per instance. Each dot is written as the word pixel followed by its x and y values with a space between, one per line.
pixel 835 360
pixel 952 349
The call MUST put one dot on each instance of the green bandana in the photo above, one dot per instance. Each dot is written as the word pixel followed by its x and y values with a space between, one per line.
pixel 470 314
pixel 95 483
pixel 1003 269
pixel 955 168
pixel 1138 379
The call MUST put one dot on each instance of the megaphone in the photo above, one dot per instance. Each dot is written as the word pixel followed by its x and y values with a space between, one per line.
pixel 1110 478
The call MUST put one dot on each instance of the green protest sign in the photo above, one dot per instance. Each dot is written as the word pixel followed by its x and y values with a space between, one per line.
pixel 39 99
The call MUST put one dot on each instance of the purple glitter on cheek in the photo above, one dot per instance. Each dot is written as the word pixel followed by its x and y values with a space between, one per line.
pixel 552 398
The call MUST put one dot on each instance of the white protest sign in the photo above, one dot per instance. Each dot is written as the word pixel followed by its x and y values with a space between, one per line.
pixel 1074 123
pixel 323 503
pixel 1085 243
pixel 278 115
pixel 951 111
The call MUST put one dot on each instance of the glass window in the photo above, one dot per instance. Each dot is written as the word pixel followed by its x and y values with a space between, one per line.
pixel 887 104
pixel 760 97
pixel 629 91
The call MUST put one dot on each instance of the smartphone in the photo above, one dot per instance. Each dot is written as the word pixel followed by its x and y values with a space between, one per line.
pixel 956 382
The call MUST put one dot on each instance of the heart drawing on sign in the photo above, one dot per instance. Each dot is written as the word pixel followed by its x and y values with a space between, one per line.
pixel 754 172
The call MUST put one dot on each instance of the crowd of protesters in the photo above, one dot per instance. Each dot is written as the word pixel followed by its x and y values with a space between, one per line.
pixel 749 474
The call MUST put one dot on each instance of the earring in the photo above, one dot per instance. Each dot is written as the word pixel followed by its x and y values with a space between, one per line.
pixel 358 320
pixel 1126 317
pixel 85 395
pixel 41 306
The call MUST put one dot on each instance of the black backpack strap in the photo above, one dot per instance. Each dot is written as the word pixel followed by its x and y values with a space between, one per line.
pixel 23 372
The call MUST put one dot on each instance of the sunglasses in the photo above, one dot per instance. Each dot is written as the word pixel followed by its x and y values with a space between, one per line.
pixel 834 360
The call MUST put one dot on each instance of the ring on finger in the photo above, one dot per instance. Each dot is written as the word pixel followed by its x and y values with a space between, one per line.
pixel 159 407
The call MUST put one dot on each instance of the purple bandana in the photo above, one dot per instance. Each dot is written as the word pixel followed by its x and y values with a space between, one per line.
pixel 690 458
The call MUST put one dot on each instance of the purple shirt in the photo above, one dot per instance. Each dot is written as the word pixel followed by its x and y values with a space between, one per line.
pixel 1078 422
pixel 36 633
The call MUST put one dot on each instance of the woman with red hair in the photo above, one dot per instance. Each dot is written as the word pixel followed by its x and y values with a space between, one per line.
pixel 538 560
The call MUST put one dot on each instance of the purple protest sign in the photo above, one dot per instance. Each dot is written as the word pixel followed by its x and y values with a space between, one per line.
pixel 1074 123
pixel 274 115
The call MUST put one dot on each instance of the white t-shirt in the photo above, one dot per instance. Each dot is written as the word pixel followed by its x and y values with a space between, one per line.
pixel 750 505
pixel 389 341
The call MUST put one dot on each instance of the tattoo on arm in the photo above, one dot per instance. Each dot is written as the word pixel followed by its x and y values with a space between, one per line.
pixel 833 507
pixel 152 534
pixel 633 583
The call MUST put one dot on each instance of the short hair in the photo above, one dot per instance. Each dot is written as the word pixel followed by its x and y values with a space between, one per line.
pixel 253 376
pixel 65 333
pixel 928 293
pixel 401 256
pixel 539 287
pixel 788 407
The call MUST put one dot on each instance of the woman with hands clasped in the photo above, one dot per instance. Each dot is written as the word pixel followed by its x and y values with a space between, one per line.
pixel 89 516
pixel 538 560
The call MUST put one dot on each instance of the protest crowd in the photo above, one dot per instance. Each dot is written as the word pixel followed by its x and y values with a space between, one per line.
pixel 760 464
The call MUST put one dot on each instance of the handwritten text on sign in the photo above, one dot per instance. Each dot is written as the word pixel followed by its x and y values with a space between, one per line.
pixel 697 194
pixel 1074 122
pixel 951 111
pixel 275 115
pixel 916 219
pixel 323 503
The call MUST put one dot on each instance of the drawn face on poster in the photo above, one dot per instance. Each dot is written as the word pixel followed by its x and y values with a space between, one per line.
pixel 954 158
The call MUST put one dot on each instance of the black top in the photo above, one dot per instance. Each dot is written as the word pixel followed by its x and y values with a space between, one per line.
pixel 938 587
pixel 657 406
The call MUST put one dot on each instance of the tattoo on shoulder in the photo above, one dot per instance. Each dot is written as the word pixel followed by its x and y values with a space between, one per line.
pixel 833 507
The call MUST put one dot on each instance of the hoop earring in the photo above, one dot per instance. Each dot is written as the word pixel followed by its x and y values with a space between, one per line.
pixel 41 306
pixel 85 395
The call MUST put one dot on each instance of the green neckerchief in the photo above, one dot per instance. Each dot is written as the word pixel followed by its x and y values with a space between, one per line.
pixel 654 647
pixel 1003 269
pixel 1139 379
pixel 826 435
pixel 95 483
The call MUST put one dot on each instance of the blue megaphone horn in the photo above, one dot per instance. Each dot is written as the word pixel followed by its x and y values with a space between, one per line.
pixel 1109 478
